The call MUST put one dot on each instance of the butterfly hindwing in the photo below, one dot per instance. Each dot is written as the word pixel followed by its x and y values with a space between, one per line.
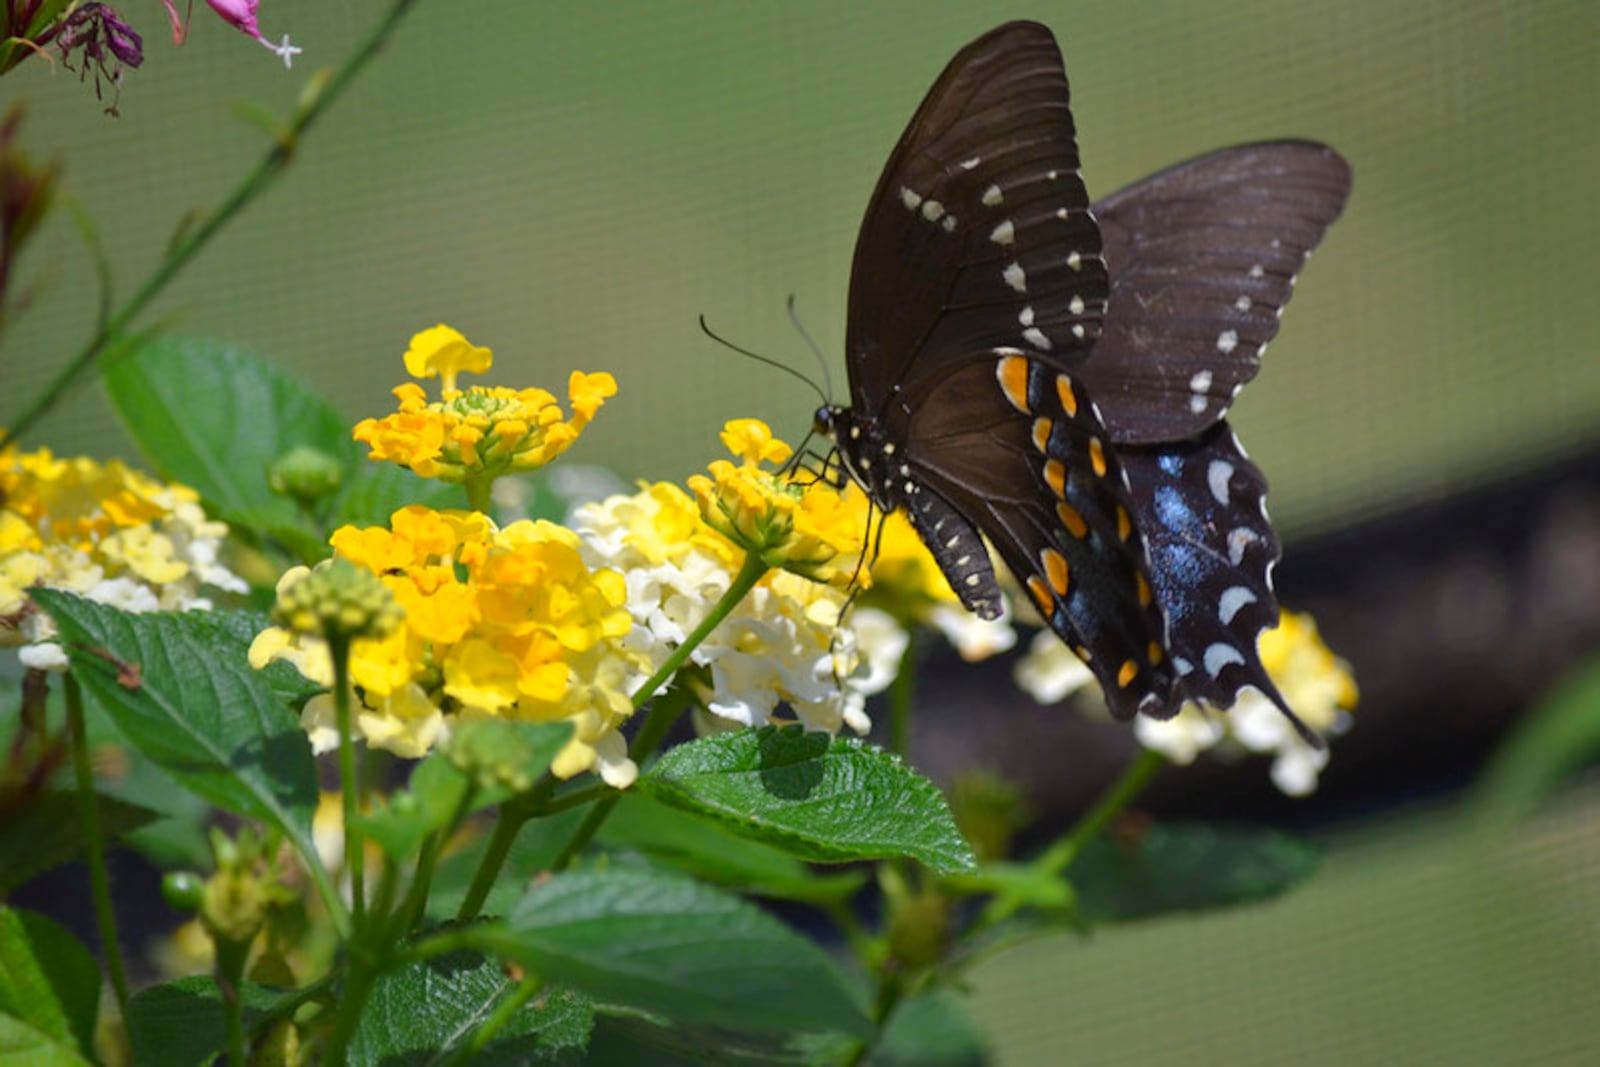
pixel 1016 445
pixel 982 222
pixel 1203 257
pixel 1212 549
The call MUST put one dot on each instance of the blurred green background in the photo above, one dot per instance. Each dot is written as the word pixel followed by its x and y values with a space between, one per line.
pixel 573 185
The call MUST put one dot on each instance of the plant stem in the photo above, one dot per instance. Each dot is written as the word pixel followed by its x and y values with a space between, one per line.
pixel 257 181
pixel 526 990
pixel 751 572
pixel 1060 855
pixel 349 784
pixel 513 814
pixel 94 845
pixel 663 713
pixel 411 912
pixel 902 694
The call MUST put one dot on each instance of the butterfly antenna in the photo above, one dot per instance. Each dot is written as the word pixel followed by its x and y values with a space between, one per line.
pixel 762 359
pixel 822 361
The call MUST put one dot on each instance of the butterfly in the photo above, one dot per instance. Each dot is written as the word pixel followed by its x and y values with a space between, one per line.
pixel 1054 375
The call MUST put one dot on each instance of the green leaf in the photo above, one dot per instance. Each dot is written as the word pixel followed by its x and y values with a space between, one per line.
pixel 1186 867
pixel 48 831
pixel 662 943
pixel 22 1045
pixel 216 417
pixel 181 1024
pixel 829 799
pixel 701 848
pixel 931 1030
pixel 638 1038
pixel 1560 736
pixel 374 491
pixel 399 824
pixel 180 690
pixel 421 1011
pixel 48 980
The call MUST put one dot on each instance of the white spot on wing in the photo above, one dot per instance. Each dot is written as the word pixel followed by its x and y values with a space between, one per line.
pixel 1004 233
pixel 1219 656
pixel 931 210
pixel 1201 382
pixel 1183 665
pixel 1233 599
pixel 1075 305
pixel 1217 476
pixel 1243 303
pixel 1257 271
pixel 1197 403
pixel 948 223
pixel 1074 261
pixel 968 164
pixel 1240 538
pixel 1025 316
pixel 910 199
pixel 992 196
pixel 1227 341
pixel 1035 337
pixel 1016 277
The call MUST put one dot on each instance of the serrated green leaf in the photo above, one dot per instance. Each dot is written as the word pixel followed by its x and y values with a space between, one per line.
pixel 829 799
pixel 420 1012
pixel 181 1024
pixel 48 980
pixel 216 417
pixel 1186 867
pixel 180 690
pixel 701 848
pixel 662 943
pixel 22 1045
pixel 48 831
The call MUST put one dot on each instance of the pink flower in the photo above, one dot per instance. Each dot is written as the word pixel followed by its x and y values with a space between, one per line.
pixel 241 15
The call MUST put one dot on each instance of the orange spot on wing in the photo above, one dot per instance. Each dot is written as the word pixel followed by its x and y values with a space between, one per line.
pixel 1041 595
pixel 1124 523
pixel 1012 373
pixel 1154 653
pixel 1055 476
pixel 1069 400
pixel 1041 433
pixel 1072 520
pixel 1144 590
pixel 1097 457
pixel 1055 569
pixel 1127 673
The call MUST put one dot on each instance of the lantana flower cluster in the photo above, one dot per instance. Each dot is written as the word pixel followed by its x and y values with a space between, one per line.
pixel 106 532
pixel 784 643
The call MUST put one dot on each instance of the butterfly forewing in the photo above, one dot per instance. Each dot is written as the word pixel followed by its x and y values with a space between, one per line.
pixel 978 235
pixel 1203 257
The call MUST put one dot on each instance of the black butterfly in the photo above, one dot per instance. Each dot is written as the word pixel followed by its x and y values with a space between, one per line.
pixel 1054 375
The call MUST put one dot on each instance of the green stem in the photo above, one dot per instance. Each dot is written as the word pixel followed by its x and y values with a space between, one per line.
pixel 513 814
pixel 504 1012
pixel 254 183
pixel 94 845
pixel 349 783
pixel 664 711
pixel 902 694
pixel 751 572
pixel 371 950
pixel 1060 855
pixel 410 915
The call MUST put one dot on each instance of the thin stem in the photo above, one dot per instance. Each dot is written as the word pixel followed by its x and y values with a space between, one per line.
pixel 349 783
pixel 257 181
pixel 1060 855
pixel 411 911
pixel 751 572
pixel 513 814
pixel 664 711
pixel 371 950
pixel 902 695
pixel 94 845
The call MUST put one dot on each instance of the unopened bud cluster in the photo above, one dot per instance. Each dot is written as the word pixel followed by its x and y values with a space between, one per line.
pixel 339 602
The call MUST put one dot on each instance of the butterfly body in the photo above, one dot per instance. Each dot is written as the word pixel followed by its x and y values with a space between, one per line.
pixel 1054 376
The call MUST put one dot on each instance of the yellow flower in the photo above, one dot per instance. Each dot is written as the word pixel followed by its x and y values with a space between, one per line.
pixel 442 352
pixel 482 432
pixel 104 531
pixel 498 623
pixel 807 529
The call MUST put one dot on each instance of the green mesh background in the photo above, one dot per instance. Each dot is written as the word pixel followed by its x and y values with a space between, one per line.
pixel 573 185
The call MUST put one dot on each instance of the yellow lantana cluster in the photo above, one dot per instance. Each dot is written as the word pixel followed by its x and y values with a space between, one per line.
pixel 805 528
pixel 498 623
pixel 103 531
pixel 481 432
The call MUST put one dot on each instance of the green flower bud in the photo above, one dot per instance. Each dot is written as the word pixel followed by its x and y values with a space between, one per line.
pixel 306 475
pixel 337 601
